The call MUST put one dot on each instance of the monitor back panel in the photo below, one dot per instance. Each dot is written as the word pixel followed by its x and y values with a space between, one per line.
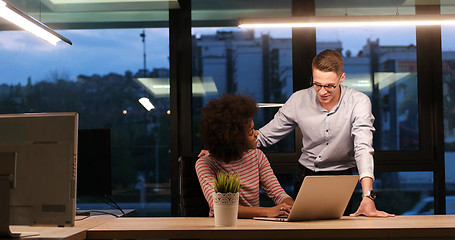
pixel 45 176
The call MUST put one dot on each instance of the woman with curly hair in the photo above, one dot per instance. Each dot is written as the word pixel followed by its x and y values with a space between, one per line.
pixel 227 129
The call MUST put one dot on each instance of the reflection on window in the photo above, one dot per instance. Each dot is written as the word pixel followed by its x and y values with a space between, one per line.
pixel 232 61
pixel 383 66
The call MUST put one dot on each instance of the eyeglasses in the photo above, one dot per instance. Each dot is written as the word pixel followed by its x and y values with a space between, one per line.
pixel 328 87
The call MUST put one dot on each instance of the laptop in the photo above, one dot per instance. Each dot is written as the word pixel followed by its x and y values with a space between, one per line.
pixel 320 197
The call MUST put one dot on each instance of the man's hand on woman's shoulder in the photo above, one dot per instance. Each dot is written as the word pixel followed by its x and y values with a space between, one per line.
pixel 203 153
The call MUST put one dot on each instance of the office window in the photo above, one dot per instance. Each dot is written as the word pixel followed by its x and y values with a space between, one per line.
pixel 101 76
pixel 381 62
pixel 227 59
pixel 254 63
pixel 402 193
pixel 448 66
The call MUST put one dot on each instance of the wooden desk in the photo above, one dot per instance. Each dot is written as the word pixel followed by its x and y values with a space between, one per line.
pixel 439 226
pixel 109 227
pixel 78 232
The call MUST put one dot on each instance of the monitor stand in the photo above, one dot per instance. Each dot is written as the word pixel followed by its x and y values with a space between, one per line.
pixel 5 232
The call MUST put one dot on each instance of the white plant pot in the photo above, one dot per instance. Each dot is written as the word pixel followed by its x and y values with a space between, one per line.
pixel 225 206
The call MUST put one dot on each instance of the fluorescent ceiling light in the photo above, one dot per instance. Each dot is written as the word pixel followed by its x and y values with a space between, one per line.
pixel 30 24
pixel 348 21
pixel 146 103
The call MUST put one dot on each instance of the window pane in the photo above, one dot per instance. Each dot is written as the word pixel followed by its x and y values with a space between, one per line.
pixel 98 77
pixel 404 193
pixel 258 64
pixel 448 78
pixel 381 62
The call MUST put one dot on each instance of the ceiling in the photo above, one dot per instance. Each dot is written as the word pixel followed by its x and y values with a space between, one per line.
pixel 93 14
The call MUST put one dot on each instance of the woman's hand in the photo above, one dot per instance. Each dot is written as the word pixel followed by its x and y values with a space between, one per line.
pixel 250 212
pixel 278 210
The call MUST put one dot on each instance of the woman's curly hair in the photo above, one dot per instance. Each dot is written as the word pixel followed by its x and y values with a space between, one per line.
pixel 224 123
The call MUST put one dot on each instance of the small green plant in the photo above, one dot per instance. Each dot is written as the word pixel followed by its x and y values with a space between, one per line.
pixel 225 183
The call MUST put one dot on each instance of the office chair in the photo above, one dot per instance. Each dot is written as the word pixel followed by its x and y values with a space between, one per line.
pixel 192 200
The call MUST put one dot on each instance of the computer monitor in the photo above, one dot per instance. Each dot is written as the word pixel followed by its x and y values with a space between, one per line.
pixel 38 156
pixel 94 163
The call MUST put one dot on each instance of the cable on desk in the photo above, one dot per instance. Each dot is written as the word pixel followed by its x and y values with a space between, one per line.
pixel 82 218
pixel 99 211
pixel 113 204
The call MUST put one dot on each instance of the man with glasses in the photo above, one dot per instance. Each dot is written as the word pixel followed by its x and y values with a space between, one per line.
pixel 337 129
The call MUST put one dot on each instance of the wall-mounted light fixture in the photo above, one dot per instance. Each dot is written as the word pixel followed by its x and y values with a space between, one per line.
pixel 30 24
pixel 348 21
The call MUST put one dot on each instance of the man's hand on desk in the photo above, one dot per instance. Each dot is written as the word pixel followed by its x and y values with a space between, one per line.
pixel 368 208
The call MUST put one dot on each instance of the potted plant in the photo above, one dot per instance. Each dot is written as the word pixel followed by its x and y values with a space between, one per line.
pixel 226 198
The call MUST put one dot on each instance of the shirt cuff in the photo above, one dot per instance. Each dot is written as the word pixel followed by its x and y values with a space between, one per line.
pixel 370 175
pixel 282 197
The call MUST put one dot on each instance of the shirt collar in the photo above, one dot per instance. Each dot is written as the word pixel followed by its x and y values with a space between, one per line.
pixel 335 108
